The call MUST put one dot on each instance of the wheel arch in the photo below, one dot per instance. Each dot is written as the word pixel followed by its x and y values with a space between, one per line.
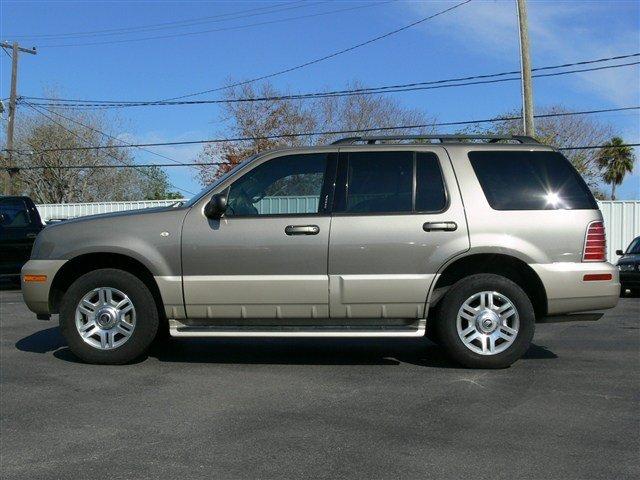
pixel 85 263
pixel 508 266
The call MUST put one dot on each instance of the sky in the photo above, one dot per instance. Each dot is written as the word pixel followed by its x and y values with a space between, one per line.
pixel 477 38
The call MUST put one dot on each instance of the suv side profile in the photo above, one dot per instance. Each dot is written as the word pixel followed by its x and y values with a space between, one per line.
pixel 467 240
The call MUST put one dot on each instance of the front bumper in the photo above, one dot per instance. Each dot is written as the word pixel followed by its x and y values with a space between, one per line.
pixel 568 292
pixel 36 294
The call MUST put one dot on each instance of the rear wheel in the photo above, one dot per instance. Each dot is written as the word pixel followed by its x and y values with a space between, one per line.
pixel 486 321
pixel 108 316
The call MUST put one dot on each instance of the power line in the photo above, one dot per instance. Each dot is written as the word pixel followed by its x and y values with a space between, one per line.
pixel 222 29
pixel 339 132
pixel 138 165
pixel 97 148
pixel 124 144
pixel 158 26
pixel 589 147
pixel 325 57
pixel 407 87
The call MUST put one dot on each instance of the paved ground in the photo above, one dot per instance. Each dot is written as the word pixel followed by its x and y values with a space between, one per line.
pixel 322 409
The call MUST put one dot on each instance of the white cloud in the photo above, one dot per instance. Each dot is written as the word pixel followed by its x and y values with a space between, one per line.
pixel 560 32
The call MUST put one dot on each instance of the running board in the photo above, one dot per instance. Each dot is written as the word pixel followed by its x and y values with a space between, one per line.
pixel 178 329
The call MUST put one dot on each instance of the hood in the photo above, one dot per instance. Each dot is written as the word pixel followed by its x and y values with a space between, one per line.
pixel 125 213
pixel 109 232
pixel 629 258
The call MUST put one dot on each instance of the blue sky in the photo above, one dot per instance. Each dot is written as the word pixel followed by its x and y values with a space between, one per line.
pixel 480 37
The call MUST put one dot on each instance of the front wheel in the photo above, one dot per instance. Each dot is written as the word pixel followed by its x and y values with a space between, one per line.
pixel 486 321
pixel 108 316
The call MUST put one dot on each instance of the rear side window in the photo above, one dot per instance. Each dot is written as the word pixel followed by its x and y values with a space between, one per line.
pixel 519 180
pixel 380 182
pixel 14 212
pixel 391 182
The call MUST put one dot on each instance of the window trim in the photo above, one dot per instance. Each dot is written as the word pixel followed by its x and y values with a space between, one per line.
pixel 342 189
pixel 327 189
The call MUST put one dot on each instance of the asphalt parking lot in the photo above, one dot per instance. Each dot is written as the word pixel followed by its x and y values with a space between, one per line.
pixel 322 408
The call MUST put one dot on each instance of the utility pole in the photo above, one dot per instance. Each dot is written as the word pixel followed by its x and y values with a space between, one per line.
pixel 15 49
pixel 525 63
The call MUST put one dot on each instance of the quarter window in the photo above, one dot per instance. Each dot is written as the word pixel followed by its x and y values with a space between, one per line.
pixel 430 192
pixel 523 180
pixel 288 185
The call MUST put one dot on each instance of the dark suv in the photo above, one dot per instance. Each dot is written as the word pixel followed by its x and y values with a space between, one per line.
pixel 20 224
pixel 629 266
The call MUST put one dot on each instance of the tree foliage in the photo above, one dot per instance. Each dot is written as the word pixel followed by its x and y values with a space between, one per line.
pixel 54 182
pixel 278 117
pixel 615 160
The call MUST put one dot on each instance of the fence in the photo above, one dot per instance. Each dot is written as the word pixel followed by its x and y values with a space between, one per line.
pixel 63 211
pixel 621 218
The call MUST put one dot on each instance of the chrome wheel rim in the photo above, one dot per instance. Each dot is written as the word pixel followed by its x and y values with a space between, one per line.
pixel 105 318
pixel 488 323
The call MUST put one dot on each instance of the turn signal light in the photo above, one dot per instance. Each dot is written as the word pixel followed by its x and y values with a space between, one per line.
pixel 590 277
pixel 35 278
pixel 595 244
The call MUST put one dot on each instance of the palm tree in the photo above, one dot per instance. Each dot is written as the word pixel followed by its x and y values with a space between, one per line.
pixel 615 161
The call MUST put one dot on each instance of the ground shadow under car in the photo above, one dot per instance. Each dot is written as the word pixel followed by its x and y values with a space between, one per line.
pixel 290 351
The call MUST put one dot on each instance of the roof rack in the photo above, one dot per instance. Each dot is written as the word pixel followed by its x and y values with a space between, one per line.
pixel 440 138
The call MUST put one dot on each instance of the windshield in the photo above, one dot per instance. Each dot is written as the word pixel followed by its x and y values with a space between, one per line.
pixel 634 247
pixel 219 180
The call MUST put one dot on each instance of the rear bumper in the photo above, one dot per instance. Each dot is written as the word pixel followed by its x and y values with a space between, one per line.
pixel 36 294
pixel 567 292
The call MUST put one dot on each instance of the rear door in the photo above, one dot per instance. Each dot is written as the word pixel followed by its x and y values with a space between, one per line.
pixel 397 219
pixel 266 258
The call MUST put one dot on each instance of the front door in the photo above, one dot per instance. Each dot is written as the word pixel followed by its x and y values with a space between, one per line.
pixel 266 258
pixel 398 217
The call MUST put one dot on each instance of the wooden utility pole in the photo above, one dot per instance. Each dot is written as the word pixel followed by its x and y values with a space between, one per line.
pixel 11 167
pixel 525 63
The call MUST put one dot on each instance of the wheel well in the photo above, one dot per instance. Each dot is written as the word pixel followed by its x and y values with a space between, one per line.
pixel 78 266
pixel 510 267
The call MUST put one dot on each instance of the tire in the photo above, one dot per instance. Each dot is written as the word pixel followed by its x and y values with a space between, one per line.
pixel 490 341
pixel 119 334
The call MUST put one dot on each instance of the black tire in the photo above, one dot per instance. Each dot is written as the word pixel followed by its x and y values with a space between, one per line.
pixel 146 325
pixel 453 301
pixel 432 333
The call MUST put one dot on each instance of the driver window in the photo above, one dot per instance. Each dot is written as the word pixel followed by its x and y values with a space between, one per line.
pixel 288 185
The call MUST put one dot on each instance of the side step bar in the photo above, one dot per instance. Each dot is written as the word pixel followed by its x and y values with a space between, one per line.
pixel 178 329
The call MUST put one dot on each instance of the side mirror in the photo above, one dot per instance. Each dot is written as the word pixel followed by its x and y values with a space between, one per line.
pixel 3 218
pixel 619 252
pixel 216 207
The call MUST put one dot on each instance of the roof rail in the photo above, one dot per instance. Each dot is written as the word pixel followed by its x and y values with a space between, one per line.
pixel 440 138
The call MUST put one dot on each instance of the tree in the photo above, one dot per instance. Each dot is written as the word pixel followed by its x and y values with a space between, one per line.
pixel 615 160
pixel 155 185
pixel 53 181
pixel 282 117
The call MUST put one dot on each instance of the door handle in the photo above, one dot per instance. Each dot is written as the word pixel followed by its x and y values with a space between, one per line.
pixel 302 230
pixel 443 226
pixel 32 235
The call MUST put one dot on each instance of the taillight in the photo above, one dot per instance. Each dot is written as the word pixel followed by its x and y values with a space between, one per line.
pixel 595 245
